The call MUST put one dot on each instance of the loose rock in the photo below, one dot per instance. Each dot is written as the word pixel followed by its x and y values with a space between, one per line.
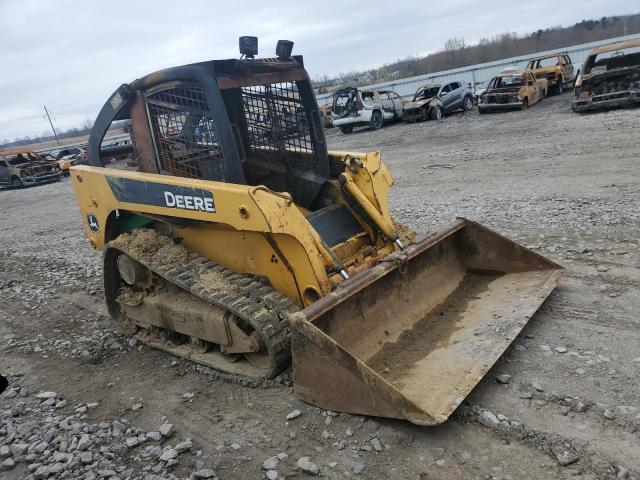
pixel 155 436
pixel 132 442
pixel 84 442
pixel 169 454
pixel 184 446
pixel 46 395
pixel 294 414
pixel 166 429
pixel 306 465
pixel 375 443
pixel 204 473
pixel 270 463
pixel 7 464
pixel 488 419
pixel 565 456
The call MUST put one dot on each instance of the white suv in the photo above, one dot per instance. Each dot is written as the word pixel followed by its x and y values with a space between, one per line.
pixel 354 107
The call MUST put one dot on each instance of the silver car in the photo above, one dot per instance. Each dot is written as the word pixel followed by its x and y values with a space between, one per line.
pixel 433 101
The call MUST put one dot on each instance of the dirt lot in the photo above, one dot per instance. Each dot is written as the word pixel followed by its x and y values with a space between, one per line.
pixel 563 184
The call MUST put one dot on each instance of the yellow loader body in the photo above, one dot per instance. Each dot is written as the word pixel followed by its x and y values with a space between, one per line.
pixel 249 229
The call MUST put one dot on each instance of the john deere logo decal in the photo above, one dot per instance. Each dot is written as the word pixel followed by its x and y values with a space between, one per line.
pixel 92 220
pixel 162 195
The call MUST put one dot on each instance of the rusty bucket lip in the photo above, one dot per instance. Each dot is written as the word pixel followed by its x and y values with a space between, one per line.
pixel 344 290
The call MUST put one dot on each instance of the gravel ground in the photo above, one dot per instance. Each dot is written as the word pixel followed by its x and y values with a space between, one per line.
pixel 84 402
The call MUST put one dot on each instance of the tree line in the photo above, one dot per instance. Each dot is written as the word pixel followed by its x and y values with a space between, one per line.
pixel 456 53
pixel 48 136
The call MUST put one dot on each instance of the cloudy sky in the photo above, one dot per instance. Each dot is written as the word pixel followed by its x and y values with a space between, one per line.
pixel 70 55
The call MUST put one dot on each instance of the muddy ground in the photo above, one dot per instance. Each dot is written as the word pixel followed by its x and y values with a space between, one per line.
pixel 563 184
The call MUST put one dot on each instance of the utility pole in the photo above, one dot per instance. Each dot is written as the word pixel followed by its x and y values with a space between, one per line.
pixel 51 123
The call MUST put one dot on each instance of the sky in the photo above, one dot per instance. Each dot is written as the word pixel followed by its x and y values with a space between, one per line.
pixel 71 55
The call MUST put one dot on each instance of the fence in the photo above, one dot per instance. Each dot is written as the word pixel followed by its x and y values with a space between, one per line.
pixel 473 74
pixel 108 141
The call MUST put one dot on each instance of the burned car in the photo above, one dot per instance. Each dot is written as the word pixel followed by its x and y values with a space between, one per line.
pixel 556 68
pixel 354 107
pixel 68 157
pixel 610 78
pixel 512 89
pixel 20 168
pixel 433 101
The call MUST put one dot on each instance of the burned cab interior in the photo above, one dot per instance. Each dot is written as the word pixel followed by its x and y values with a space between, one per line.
pixel 344 100
pixel 248 121
pixel 545 62
pixel 24 158
pixel 506 81
pixel 425 93
pixel 612 60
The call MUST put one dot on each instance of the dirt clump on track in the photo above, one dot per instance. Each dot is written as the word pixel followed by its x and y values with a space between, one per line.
pixel 212 280
pixel 150 247
pixel 562 402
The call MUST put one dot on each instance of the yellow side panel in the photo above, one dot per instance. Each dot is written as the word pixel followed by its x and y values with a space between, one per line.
pixel 252 230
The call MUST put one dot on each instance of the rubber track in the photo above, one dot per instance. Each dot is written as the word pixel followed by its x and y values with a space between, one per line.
pixel 263 307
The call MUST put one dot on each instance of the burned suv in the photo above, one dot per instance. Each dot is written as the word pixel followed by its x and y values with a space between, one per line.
pixel 512 89
pixel 610 78
pixel 354 107
pixel 433 101
pixel 20 168
pixel 556 68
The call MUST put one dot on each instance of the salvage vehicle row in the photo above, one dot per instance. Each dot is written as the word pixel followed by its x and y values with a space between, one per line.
pixel 610 77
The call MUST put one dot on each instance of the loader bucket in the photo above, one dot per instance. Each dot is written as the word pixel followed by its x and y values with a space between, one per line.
pixel 411 337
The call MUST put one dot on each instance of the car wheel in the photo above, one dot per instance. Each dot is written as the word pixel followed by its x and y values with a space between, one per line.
pixel 436 113
pixel 559 86
pixel 525 104
pixel 17 183
pixel 347 129
pixel 376 120
pixel 468 104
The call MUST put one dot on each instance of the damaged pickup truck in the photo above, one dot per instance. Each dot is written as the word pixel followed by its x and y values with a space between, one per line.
pixel 433 101
pixel 20 168
pixel 556 68
pixel 512 89
pixel 610 78
pixel 354 107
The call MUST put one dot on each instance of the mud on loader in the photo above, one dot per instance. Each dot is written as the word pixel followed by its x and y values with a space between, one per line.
pixel 241 243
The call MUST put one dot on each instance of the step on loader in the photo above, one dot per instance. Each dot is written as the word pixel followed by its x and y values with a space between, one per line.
pixel 234 238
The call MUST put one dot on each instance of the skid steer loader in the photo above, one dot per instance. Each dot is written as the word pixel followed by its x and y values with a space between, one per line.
pixel 239 242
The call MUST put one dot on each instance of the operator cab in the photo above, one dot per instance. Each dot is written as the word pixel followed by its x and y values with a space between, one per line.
pixel 244 121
